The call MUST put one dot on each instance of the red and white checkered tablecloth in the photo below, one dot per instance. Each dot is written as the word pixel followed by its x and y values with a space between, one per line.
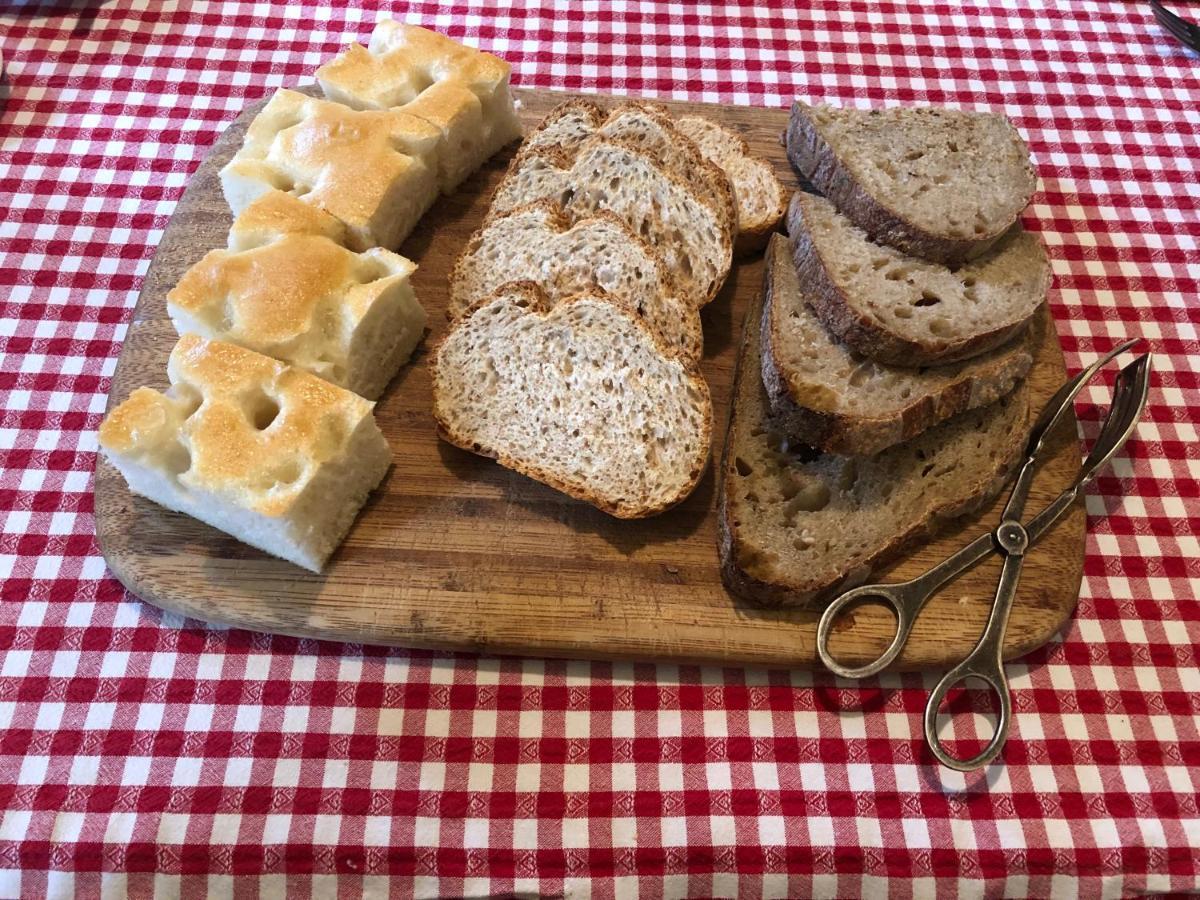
pixel 141 753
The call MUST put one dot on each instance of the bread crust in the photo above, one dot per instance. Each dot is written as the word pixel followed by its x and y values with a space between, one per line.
pixel 850 435
pixel 537 302
pixel 816 160
pixel 792 592
pixel 836 311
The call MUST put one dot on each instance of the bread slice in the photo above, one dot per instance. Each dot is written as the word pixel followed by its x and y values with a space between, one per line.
pixel 461 91
pixel 825 395
pixel 693 235
pixel 904 311
pixel 581 395
pixel 538 243
pixel 761 197
pixel 942 184
pixel 285 289
pixel 648 126
pixel 266 452
pixel 795 526
pixel 374 170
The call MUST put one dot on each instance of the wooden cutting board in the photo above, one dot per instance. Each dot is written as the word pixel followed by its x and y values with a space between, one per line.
pixel 456 553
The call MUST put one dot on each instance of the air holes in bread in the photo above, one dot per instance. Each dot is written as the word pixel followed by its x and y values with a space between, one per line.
pixel 928 298
pixel 188 397
pixel 178 459
pixel 261 409
pixel 940 327
pixel 813 497
pixel 862 374
pixel 281 474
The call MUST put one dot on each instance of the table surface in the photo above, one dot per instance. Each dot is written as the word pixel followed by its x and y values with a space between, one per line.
pixel 140 752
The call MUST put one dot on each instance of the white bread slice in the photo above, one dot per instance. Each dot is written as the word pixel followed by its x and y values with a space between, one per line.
pixel 263 451
pixel 693 236
pixel 796 526
pixel 942 184
pixel 538 243
pixel 761 197
pixel 580 395
pixel 649 127
pixel 827 396
pixel 285 289
pixel 374 170
pixel 462 91
pixel 904 311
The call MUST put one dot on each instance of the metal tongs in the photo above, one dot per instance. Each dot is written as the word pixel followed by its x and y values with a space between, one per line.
pixel 1010 538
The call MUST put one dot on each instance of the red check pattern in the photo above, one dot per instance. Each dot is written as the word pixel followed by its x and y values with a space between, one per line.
pixel 142 754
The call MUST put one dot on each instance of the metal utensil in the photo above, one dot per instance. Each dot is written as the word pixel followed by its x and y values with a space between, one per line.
pixel 1010 538
pixel 1187 33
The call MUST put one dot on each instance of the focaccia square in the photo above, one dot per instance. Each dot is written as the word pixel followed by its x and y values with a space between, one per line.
pixel 375 171
pixel 261 450
pixel 286 289
pixel 464 92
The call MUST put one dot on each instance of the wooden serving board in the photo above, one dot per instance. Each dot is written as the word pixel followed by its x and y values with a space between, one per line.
pixel 454 552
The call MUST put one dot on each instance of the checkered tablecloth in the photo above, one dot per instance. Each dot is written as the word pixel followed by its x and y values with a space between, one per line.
pixel 141 753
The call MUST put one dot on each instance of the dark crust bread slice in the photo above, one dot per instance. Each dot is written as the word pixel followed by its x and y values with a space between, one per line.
pixel 816 160
pixel 749 412
pixel 535 300
pixel 798 406
pixel 839 312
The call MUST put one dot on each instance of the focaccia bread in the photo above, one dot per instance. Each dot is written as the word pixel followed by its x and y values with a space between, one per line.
pixel 261 450
pixel 462 91
pixel 284 288
pixel 373 170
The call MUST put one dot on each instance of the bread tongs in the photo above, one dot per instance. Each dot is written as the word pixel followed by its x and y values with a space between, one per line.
pixel 1011 539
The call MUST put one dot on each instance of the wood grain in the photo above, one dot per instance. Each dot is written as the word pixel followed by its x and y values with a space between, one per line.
pixel 457 553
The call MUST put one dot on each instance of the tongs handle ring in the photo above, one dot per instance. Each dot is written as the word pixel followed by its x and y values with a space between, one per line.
pixel 903 601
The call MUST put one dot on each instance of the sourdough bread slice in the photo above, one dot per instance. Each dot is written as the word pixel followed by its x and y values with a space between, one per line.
pixel 795 526
pixel 693 235
pixel 905 311
pixel 761 197
pixel 943 184
pixel 581 395
pixel 538 243
pixel 825 395
pixel 648 126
